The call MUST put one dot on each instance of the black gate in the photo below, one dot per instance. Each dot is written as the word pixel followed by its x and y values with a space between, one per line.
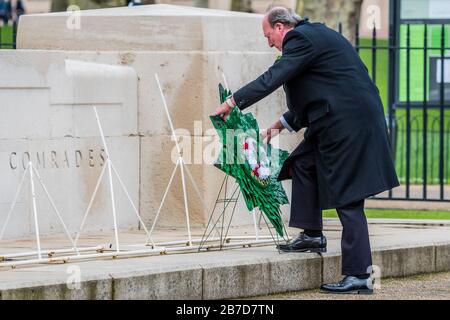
pixel 412 72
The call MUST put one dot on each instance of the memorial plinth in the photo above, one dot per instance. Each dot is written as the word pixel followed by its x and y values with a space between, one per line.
pixel 57 73
pixel 143 28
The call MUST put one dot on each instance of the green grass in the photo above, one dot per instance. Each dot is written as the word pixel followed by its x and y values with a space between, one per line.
pixel 398 214
pixel 6 37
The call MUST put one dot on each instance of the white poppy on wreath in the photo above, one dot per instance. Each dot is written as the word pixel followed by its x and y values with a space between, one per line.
pixel 261 168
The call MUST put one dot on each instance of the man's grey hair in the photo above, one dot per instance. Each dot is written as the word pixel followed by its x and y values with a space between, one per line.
pixel 286 16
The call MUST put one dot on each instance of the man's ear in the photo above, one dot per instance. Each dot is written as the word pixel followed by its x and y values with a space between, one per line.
pixel 278 26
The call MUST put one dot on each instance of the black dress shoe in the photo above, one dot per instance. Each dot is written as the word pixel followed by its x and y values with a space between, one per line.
pixel 305 243
pixel 348 285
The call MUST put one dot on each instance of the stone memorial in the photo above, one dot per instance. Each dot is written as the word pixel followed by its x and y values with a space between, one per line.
pixel 108 58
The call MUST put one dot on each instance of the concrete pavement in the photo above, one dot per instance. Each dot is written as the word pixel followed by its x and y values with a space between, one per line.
pixel 435 286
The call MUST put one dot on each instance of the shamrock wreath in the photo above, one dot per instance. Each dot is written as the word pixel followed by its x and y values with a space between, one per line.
pixel 253 164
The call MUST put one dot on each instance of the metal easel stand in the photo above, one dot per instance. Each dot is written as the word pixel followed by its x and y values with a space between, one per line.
pixel 149 247
pixel 74 254
pixel 189 243
pixel 221 240
pixel 101 251
pixel 224 218
pixel 30 257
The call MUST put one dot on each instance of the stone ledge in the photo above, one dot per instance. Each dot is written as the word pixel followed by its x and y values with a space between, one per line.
pixel 442 263
pixel 234 279
pixel 100 289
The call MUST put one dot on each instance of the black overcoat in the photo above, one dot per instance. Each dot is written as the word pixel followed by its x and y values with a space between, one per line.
pixel 329 91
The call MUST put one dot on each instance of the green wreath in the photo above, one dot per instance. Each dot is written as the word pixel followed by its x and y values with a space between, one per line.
pixel 253 164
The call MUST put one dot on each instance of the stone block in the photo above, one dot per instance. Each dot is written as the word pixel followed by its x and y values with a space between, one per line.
pixel 144 28
pixel 246 279
pixel 97 289
pixel 332 267
pixel 442 257
pixel 162 285
pixel 401 262
pixel 294 274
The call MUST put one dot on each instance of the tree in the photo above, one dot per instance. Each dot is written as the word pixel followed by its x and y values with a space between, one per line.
pixel 105 3
pixel 201 3
pixel 59 5
pixel 333 12
pixel 241 5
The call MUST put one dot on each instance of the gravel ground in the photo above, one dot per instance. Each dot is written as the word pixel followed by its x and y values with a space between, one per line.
pixel 422 287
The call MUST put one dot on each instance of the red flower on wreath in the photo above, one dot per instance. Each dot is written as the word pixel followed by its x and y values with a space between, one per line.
pixel 255 171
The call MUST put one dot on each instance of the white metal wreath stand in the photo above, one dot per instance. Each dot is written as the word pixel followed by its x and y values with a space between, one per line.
pixel 76 253
pixel 190 243
pixel 32 257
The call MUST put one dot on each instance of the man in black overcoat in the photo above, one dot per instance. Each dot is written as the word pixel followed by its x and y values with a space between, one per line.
pixel 345 156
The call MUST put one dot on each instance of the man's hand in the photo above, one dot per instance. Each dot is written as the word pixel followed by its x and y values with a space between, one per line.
pixel 272 131
pixel 223 110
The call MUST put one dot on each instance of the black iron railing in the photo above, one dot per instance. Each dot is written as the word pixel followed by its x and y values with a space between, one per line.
pixel 409 68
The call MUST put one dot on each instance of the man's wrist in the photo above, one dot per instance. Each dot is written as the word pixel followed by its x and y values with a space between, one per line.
pixel 280 126
pixel 230 102
pixel 285 124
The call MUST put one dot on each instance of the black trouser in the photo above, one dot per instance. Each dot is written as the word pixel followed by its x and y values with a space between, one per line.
pixel 306 214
